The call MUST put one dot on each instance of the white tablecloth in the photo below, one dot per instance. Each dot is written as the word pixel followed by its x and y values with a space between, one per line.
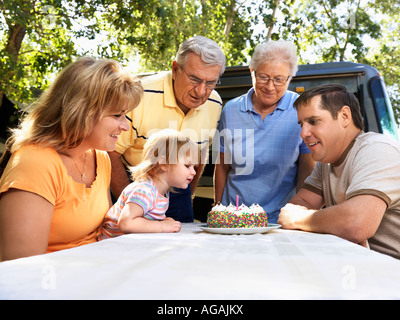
pixel 193 264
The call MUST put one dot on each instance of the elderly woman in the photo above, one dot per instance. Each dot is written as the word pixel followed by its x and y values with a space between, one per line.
pixel 262 157
pixel 55 173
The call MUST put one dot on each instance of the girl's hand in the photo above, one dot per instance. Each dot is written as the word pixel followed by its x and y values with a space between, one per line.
pixel 170 225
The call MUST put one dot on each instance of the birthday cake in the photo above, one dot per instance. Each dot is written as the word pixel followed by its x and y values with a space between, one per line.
pixel 241 216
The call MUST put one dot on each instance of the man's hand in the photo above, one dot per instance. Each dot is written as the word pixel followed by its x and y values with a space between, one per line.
pixel 293 216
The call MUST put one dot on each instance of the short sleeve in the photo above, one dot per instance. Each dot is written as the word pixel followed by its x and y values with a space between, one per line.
pixel 314 181
pixel 376 171
pixel 37 170
pixel 126 138
pixel 143 194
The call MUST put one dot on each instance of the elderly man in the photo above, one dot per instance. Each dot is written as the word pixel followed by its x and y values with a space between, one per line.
pixel 183 99
pixel 357 176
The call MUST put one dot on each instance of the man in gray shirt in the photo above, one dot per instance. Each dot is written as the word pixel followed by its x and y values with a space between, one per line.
pixel 357 177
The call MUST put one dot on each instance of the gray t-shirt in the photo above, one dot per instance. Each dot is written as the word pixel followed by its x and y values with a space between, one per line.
pixel 370 166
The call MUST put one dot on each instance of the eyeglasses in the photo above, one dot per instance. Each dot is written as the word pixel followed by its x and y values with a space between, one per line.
pixel 196 81
pixel 278 81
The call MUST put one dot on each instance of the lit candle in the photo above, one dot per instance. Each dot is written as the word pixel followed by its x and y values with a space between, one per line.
pixel 237 202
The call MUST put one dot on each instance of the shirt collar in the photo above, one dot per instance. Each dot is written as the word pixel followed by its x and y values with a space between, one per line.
pixel 169 96
pixel 343 156
pixel 248 104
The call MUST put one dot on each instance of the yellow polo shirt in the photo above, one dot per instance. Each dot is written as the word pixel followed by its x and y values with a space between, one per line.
pixel 158 110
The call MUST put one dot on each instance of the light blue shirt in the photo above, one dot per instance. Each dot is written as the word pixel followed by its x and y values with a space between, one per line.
pixel 263 154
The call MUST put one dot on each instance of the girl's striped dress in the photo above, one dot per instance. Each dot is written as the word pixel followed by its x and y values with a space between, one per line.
pixel 145 194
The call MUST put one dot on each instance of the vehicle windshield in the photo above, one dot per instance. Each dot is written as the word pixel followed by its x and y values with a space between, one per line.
pixel 383 107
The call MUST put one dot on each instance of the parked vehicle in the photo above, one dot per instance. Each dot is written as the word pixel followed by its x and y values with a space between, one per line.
pixel 363 80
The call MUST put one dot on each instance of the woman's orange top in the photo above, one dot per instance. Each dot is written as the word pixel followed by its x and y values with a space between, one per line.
pixel 78 211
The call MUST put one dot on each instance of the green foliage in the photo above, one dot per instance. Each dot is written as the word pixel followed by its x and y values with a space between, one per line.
pixel 155 29
pixel 35 44
pixel 337 29
pixel 39 37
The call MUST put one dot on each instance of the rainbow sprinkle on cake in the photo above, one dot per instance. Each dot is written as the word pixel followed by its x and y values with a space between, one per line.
pixel 232 216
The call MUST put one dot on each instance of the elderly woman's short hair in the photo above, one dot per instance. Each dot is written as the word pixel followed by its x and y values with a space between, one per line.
pixel 208 50
pixel 280 50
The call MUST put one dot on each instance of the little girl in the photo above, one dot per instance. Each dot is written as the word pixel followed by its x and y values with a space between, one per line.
pixel 168 162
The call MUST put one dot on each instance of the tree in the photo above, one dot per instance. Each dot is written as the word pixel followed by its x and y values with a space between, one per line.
pixel 334 30
pixel 37 37
pixel 385 54
pixel 37 41
pixel 155 29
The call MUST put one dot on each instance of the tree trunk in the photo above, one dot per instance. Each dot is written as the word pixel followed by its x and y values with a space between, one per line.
pixel 16 34
pixel 229 21
pixel 271 26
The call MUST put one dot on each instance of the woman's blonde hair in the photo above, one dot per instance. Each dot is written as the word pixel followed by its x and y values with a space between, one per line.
pixel 67 111
pixel 167 146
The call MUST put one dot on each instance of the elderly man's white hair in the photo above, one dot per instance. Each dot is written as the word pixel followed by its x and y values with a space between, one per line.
pixel 208 50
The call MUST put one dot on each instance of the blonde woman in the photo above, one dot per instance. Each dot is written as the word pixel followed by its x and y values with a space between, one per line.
pixel 169 159
pixel 54 187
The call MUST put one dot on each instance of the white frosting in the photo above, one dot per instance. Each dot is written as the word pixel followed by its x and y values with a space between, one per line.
pixel 254 208
pixel 218 207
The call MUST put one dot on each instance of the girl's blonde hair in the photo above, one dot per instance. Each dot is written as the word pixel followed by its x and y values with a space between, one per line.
pixel 67 111
pixel 167 146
